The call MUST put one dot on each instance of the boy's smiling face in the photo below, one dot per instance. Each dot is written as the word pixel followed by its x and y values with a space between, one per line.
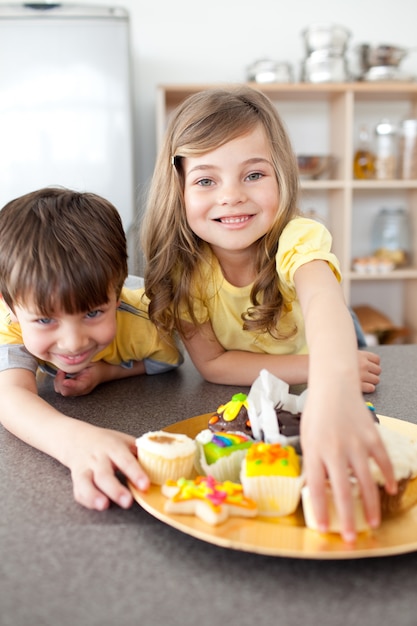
pixel 68 341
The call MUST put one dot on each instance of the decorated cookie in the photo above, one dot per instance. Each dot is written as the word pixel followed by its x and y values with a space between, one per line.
pixel 210 500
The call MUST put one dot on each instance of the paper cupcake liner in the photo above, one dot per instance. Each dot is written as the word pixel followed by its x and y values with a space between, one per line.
pixel 160 469
pixel 274 495
pixel 334 525
pixel 226 468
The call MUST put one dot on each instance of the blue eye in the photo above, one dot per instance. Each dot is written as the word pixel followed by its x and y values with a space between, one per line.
pixel 254 176
pixel 205 182
pixel 44 321
pixel 93 314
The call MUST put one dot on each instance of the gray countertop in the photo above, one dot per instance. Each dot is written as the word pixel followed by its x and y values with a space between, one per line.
pixel 63 565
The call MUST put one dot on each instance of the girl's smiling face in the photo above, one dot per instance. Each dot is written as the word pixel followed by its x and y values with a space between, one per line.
pixel 231 193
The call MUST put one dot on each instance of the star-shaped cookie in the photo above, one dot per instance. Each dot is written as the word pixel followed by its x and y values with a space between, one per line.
pixel 210 500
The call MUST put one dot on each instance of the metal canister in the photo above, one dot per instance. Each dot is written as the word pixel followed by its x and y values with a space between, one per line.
pixel 408 149
pixel 269 71
pixel 385 150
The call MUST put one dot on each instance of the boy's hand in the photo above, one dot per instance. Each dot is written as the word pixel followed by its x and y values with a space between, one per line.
pixel 82 383
pixel 93 459
pixel 85 381
pixel 369 370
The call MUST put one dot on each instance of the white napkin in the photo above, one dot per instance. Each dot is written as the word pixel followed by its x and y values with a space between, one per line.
pixel 265 394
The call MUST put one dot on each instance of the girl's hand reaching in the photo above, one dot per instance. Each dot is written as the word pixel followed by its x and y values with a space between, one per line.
pixel 369 370
pixel 337 439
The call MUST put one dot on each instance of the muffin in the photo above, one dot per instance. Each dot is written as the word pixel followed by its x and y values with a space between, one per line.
pixel 402 452
pixel 403 455
pixel 166 455
pixel 271 476
pixel 220 454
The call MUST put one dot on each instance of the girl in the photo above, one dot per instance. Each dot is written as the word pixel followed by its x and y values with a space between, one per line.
pixel 249 284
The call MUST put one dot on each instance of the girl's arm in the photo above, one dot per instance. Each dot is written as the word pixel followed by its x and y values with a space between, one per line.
pixel 237 367
pixel 92 454
pixel 338 434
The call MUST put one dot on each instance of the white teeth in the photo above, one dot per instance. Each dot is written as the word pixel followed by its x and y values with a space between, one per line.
pixel 233 220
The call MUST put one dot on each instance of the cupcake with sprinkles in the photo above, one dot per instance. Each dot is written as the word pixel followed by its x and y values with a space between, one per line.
pixel 232 416
pixel 220 454
pixel 271 476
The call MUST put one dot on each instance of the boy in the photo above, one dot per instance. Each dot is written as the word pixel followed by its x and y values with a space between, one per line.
pixel 63 262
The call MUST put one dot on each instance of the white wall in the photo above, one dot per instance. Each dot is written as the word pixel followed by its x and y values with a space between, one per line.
pixel 188 41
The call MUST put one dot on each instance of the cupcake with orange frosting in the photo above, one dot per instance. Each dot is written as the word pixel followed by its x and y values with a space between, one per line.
pixel 271 475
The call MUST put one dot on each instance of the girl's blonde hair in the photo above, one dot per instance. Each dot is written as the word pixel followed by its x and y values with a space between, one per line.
pixel 202 123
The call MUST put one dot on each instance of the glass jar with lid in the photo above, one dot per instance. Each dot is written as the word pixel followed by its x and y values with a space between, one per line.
pixel 385 150
pixel 408 149
pixel 364 158
pixel 391 236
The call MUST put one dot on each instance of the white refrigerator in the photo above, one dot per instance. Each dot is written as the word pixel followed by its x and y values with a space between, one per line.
pixel 66 101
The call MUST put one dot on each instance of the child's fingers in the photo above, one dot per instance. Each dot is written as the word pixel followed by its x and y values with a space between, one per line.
pixel 372 358
pixel 95 487
pixel 128 464
pixel 369 489
pixel 87 494
pixel 369 492
pixel 343 499
pixel 96 491
pixel 316 480
pixel 338 473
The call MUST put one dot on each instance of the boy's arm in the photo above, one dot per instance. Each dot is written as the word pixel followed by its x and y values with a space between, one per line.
pixel 92 454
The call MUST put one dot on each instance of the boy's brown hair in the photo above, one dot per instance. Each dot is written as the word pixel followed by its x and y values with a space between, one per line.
pixel 61 249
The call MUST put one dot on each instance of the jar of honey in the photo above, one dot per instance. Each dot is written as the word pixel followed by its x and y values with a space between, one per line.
pixel 364 158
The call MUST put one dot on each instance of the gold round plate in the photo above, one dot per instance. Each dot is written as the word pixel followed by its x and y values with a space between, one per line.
pixel 288 536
